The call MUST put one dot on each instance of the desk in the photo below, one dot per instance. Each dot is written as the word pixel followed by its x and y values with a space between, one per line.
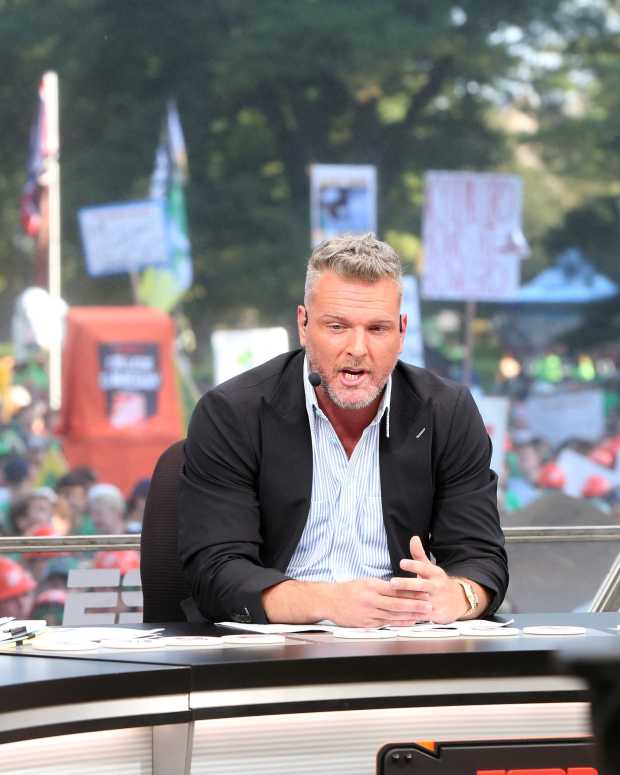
pixel 311 704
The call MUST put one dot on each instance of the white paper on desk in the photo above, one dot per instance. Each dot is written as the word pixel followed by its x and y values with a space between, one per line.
pixel 284 629
pixel 470 624
pixel 277 629
pixel 81 634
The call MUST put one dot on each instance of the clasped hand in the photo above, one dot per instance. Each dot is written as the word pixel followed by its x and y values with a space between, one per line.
pixel 432 595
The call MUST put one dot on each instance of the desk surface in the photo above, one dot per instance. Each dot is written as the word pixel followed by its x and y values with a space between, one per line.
pixel 323 656
pixel 312 672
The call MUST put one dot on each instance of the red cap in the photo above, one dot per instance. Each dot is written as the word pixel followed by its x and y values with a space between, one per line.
pixel 596 486
pixel 50 597
pixel 604 456
pixel 14 580
pixel 125 560
pixel 43 531
pixel 551 477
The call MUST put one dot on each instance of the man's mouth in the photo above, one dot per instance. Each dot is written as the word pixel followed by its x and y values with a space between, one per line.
pixel 352 376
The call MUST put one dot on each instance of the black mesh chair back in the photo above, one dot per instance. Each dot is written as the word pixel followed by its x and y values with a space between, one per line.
pixel 163 583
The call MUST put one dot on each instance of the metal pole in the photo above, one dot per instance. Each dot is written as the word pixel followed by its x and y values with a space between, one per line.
pixel 52 150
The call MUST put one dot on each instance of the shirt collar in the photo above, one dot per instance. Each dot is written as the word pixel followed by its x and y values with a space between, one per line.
pixel 312 405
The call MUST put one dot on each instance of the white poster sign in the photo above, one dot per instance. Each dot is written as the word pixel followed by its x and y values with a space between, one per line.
pixel 472 236
pixel 494 411
pixel 561 416
pixel 343 200
pixel 237 351
pixel 124 237
pixel 413 349
pixel 38 322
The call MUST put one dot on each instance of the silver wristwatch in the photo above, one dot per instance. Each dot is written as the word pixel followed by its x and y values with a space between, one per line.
pixel 470 594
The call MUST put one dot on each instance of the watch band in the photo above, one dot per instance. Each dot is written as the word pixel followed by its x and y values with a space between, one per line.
pixel 470 594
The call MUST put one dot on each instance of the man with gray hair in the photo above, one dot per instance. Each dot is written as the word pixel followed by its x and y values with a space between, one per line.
pixel 318 485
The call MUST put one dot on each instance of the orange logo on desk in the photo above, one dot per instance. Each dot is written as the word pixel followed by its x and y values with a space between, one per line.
pixel 488 757
pixel 544 771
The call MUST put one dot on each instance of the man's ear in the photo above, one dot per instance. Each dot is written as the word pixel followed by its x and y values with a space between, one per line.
pixel 402 327
pixel 302 322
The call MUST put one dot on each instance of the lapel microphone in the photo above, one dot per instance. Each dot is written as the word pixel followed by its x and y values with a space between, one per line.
pixel 314 378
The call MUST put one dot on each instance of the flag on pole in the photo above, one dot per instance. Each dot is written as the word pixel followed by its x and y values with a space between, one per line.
pixel 162 287
pixel 33 205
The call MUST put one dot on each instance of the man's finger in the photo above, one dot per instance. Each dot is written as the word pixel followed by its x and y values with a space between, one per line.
pixel 402 603
pixel 417 550
pixel 418 585
pixel 412 595
pixel 403 607
pixel 425 570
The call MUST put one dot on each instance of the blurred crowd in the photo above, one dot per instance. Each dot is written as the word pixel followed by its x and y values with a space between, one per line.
pixel 41 497
pixel 573 452
pixel 533 469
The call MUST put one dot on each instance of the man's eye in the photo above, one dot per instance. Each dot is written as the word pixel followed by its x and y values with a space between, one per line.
pixel 335 327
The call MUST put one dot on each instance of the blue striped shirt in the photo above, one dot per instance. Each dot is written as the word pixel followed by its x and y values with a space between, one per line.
pixel 344 537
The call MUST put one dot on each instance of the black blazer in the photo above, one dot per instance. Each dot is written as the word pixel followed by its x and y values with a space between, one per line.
pixel 247 481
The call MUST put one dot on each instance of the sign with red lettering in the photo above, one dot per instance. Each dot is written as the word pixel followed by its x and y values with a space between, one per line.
pixel 472 236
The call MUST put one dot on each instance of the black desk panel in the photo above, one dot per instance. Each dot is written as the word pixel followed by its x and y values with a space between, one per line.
pixel 49 696
pixel 353 696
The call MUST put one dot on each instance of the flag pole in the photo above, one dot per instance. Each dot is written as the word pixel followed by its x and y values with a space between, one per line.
pixel 52 152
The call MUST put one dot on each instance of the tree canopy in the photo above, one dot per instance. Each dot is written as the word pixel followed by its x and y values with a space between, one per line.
pixel 264 90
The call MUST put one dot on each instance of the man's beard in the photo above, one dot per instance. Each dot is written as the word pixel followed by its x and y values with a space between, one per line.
pixel 341 403
pixel 362 403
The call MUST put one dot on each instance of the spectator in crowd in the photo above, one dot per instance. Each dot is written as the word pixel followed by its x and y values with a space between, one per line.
pixel 107 509
pixel 30 512
pixel 50 605
pixel 57 571
pixel 72 489
pixel 16 590
pixel 18 477
pixel 86 474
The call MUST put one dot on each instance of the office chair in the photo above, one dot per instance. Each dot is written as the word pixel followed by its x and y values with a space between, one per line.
pixel 163 584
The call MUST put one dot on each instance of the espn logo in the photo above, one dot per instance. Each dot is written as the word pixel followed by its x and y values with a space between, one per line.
pixel 543 771
pixel 117 601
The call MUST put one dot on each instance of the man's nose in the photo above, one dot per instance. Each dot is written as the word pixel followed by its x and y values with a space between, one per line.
pixel 356 345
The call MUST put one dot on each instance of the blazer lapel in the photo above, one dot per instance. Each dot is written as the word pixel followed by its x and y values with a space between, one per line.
pixel 405 469
pixel 285 479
